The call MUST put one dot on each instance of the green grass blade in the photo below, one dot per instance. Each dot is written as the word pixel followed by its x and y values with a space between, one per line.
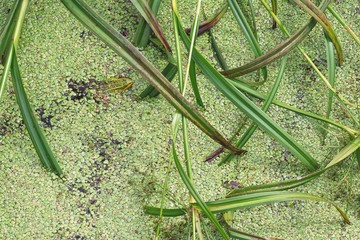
pixel 200 203
pixel 257 199
pixel 248 107
pixel 143 31
pixel 37 137
pixel 274 7
pixel 217 52
pixel 250 131
pixel 146 12
pixel 236 234
pixel 212 21
pixel 245 27
pixel 169 72
pixel 7 65
pixel 194 85
pixel 276 52
pixel 130 54
pixel 175 212
pixel 319 16
pixel 345 152
pixel 6 35
pixel 343 23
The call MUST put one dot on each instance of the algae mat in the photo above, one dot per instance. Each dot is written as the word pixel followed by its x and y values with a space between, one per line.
pixel 114 147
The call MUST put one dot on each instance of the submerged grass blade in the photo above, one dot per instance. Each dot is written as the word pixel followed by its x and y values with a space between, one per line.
pixel 257 199
pixel 250 131
pixel 274 7
pixel 236 234
pixel 130 54
pixel 248 107
pixel 37 137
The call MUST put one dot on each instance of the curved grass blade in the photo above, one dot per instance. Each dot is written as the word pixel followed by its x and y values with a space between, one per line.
pixel 343 23
pixel 143 31
pixel 276 52
pixel 341 99
pixel 245 27
pixel 37 137
pixel 175 212
pixel 236 234
pixel 292 183
pixel 200 203
pixel 211 22
pixel 318 15
pixel 257 199
pixel 248 107
pixel 150 18
pixel 130 54
pixel 262 96
pixel 250 131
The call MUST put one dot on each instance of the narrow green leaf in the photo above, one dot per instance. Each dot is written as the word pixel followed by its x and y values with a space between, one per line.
pixel 6 35
pixel 343 23
pixel 276 52
pixel 175 212
pixel 37 137
pixel 7 65
pixel 292 183
pixel 199 202
pixel 250 131
pixel 130 54
pixel 318 15
pixel 245 27
pixel 236 234
pixel 143 30
pixel 274 6
pixel 248 107
pixel 146 12
pixel 257 199
pixel 169 72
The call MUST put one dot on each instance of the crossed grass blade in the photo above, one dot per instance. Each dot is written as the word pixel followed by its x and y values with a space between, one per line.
pixel 246 28
pixel 130 54
pixel 143 30
pixel 147 13
pixel 319 16
pixel 276 52
pixel 248 107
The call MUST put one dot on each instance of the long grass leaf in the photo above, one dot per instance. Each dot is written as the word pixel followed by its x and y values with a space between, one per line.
pixel 318 15
pixel 236 234
pixel 257 199
pixel 143 30
pixel 345 152
pixel 274 7
pixel 248 107
pixel 130 54
pixel 257 94
pixel 175 212
pixel 146 12
pixel 6 35
pixel 37 137
pixel 278 51
pixel 200 203
pixel 343 23
pixel 250 131
pixel 245 27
